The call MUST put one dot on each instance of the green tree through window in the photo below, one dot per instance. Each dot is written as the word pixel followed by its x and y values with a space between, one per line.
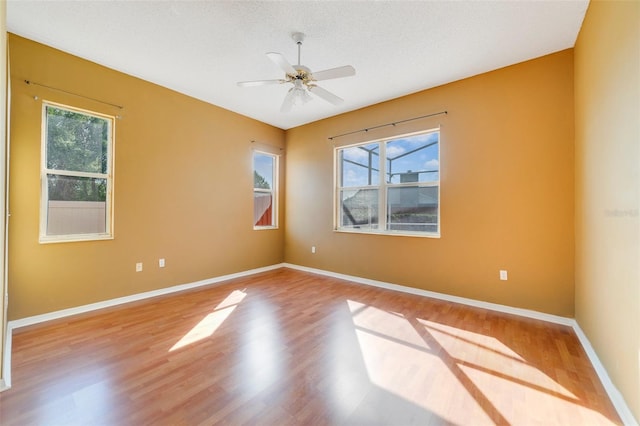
pixel 259 181
pixel 76 143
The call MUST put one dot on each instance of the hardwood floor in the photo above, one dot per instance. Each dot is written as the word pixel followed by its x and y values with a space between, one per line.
pixel 287 347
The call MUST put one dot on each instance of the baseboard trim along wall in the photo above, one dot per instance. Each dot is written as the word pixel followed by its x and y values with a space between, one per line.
pixel 134 298
pixel 614 394
pixel 441 296
pixel 616 398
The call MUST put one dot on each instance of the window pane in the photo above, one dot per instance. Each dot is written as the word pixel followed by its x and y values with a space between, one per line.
pixel 76 142
pixel 413 208
pixel 360 165
pixel 72 188
pixel 76 205
pixel 263 171
pixel 413 159
pixel 264 189
pixel 359 208
pixel 262 209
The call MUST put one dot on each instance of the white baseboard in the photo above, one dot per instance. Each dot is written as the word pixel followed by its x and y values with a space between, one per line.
pixel 441 296
pixel 614 395
pixel 616 398
pixel 36 319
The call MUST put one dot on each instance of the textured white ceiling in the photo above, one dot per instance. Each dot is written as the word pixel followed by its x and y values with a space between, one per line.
pixel 202 48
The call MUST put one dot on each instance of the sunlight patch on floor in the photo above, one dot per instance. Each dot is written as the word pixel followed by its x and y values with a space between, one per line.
pixel 449 337
pixel 431 364
pixel 390 325
pixel 497 358
pixel 209 324
pixel 536 405
pixel 401 362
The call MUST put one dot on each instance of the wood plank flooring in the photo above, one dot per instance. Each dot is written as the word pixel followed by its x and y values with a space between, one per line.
pixel 287 347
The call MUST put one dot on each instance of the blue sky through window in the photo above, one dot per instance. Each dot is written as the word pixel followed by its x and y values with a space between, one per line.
pixel 263 165
pixel 409 159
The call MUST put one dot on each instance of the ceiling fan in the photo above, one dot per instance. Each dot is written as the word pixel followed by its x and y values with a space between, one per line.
pixel 302 79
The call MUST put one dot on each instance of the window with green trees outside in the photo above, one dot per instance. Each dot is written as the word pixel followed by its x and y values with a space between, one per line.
pixel 77 180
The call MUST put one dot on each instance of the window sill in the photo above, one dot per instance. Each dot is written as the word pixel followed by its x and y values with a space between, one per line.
pixel 389 233
pixel 50 239
pixel 264 228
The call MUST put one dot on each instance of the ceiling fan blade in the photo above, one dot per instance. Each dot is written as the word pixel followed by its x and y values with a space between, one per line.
pixel 325 94
pixel 282 62
pixel 260 83
pixel 345 71
pixel 287 104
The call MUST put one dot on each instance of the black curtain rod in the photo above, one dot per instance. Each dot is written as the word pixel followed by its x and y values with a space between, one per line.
pixel 266 144
pixel 388 124
pixel 29 82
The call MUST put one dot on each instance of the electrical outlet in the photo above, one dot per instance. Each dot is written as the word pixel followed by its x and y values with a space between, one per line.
pixel 313 249
pixel 161 263
pixel 139 267
pixel 503 275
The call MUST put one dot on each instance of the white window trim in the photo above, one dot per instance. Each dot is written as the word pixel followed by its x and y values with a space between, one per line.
pixel 274 191
pixel 44 187
pixel 383 188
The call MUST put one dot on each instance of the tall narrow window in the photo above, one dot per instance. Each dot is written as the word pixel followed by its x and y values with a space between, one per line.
pixel 77 184
pixel 265 185
pixel 390 186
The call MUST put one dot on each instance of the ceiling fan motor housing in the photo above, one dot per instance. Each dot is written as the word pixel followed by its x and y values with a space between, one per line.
pixel 303 74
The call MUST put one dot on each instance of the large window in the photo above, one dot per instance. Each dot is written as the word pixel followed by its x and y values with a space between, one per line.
pixel 390 186
pixel 265 185
pixel 77 185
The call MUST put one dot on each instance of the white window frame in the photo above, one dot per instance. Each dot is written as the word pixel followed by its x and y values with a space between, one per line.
pixel 44 172
pixel 383 187
pixel 273 191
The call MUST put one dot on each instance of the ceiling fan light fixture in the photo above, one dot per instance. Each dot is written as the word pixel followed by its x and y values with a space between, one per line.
pixel 303 96
pixel 300 96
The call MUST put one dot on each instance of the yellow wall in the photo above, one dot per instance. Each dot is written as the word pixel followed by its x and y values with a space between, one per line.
pixel 506 190
pixel 183 188
pixel 607 86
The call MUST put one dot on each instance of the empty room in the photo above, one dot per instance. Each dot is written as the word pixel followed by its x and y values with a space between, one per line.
pixel 320 212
